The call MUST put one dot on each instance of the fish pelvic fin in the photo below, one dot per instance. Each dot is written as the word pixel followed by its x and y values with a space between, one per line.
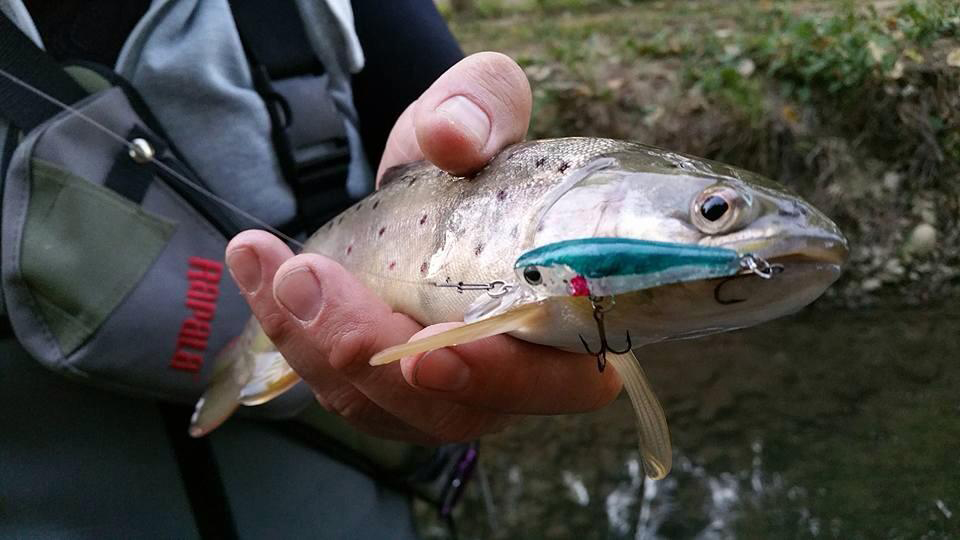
pixel 655 448
pixel 249 371
pixel 503 323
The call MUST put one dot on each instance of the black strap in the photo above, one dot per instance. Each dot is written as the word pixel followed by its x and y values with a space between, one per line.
pixel 308 135
pixel 23 60
pixel 274 33
pixel 201 477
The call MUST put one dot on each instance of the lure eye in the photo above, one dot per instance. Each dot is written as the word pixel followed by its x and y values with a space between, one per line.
pixel 718 209
pixel 532 275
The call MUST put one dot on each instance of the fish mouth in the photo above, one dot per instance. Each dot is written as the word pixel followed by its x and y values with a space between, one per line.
pixel 817 250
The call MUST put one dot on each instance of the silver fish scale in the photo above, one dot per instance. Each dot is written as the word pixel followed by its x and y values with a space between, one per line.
pixel 425 226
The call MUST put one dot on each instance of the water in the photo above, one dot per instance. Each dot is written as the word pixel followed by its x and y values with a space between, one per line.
pixel 830 424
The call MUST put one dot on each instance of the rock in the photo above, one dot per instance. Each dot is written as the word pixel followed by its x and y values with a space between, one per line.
pixel 894 268
pixel 871 284
pixel 892 180
pixel 953 58
pixel 922 240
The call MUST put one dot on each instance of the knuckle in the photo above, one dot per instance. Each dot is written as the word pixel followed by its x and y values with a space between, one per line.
pixel 275 325
pixel 347 343
pixel 348 403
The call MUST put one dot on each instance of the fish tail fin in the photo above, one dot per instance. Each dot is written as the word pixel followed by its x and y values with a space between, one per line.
pixel 249 371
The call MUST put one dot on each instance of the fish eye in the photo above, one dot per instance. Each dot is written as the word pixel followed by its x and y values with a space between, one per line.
pixel 717 209
pixel 532 275
pixel 714 207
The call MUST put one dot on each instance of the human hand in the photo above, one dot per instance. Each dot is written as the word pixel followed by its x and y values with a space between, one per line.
pixel 328 325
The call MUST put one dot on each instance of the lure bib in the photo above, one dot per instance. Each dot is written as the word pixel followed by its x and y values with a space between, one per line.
pixel 99 246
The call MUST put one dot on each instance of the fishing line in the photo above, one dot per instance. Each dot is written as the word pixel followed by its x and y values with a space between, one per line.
pixel 136 150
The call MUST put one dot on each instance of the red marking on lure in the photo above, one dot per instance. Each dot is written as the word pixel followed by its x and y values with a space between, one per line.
pixel 579 286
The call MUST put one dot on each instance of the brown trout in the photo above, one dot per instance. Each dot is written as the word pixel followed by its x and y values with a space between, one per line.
pixel 583 244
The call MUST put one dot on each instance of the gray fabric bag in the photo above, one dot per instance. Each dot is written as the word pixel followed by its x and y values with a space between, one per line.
pixel 98 247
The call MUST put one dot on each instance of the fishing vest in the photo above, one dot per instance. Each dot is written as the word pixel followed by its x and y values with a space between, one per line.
pixel 121 188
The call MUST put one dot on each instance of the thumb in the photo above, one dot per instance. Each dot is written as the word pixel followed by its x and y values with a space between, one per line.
pixel 472 111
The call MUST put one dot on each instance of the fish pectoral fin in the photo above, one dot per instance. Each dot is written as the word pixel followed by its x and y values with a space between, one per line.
pixel 499 324
pixel 222 395
pixel 271 376
pixel 655 449
pixel 250 371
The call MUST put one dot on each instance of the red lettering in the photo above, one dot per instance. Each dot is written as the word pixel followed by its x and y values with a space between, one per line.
pixel 201 290
pixel 187 361
pixel 203 277
pixel 205 270
pixel 192 342
pixel 202 310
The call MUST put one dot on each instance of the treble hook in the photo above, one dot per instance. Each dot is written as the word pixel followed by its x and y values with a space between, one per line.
pixel 596 302
pixel 751 265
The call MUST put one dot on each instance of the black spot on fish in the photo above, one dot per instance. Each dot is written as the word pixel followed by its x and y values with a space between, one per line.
pixel 423 219
pixel 339 221
pixel 423 268
pixel 358 206
pixel 478 249
pixel 539 162
pixel 349 249
pixel 563 167
pixel 382 230
pixel 376 204
pixel 411 180
pixel 393 265
pixel 502 195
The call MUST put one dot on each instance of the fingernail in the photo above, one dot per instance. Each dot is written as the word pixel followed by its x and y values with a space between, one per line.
pixel 299 292
pixel 244 266
pixel 468 116
pixel 441 370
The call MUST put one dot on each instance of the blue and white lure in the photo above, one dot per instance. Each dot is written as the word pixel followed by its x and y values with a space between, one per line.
pixel 601 268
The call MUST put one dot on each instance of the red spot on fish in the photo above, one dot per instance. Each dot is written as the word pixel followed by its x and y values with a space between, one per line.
pixel 382 230
pixel 579 286
pixel 423 219
pixel 393 264
pixel 423 268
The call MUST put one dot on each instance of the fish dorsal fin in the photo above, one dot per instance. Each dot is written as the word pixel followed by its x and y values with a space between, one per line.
pixel 499 324
pixel 398 172
pixel 655 449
